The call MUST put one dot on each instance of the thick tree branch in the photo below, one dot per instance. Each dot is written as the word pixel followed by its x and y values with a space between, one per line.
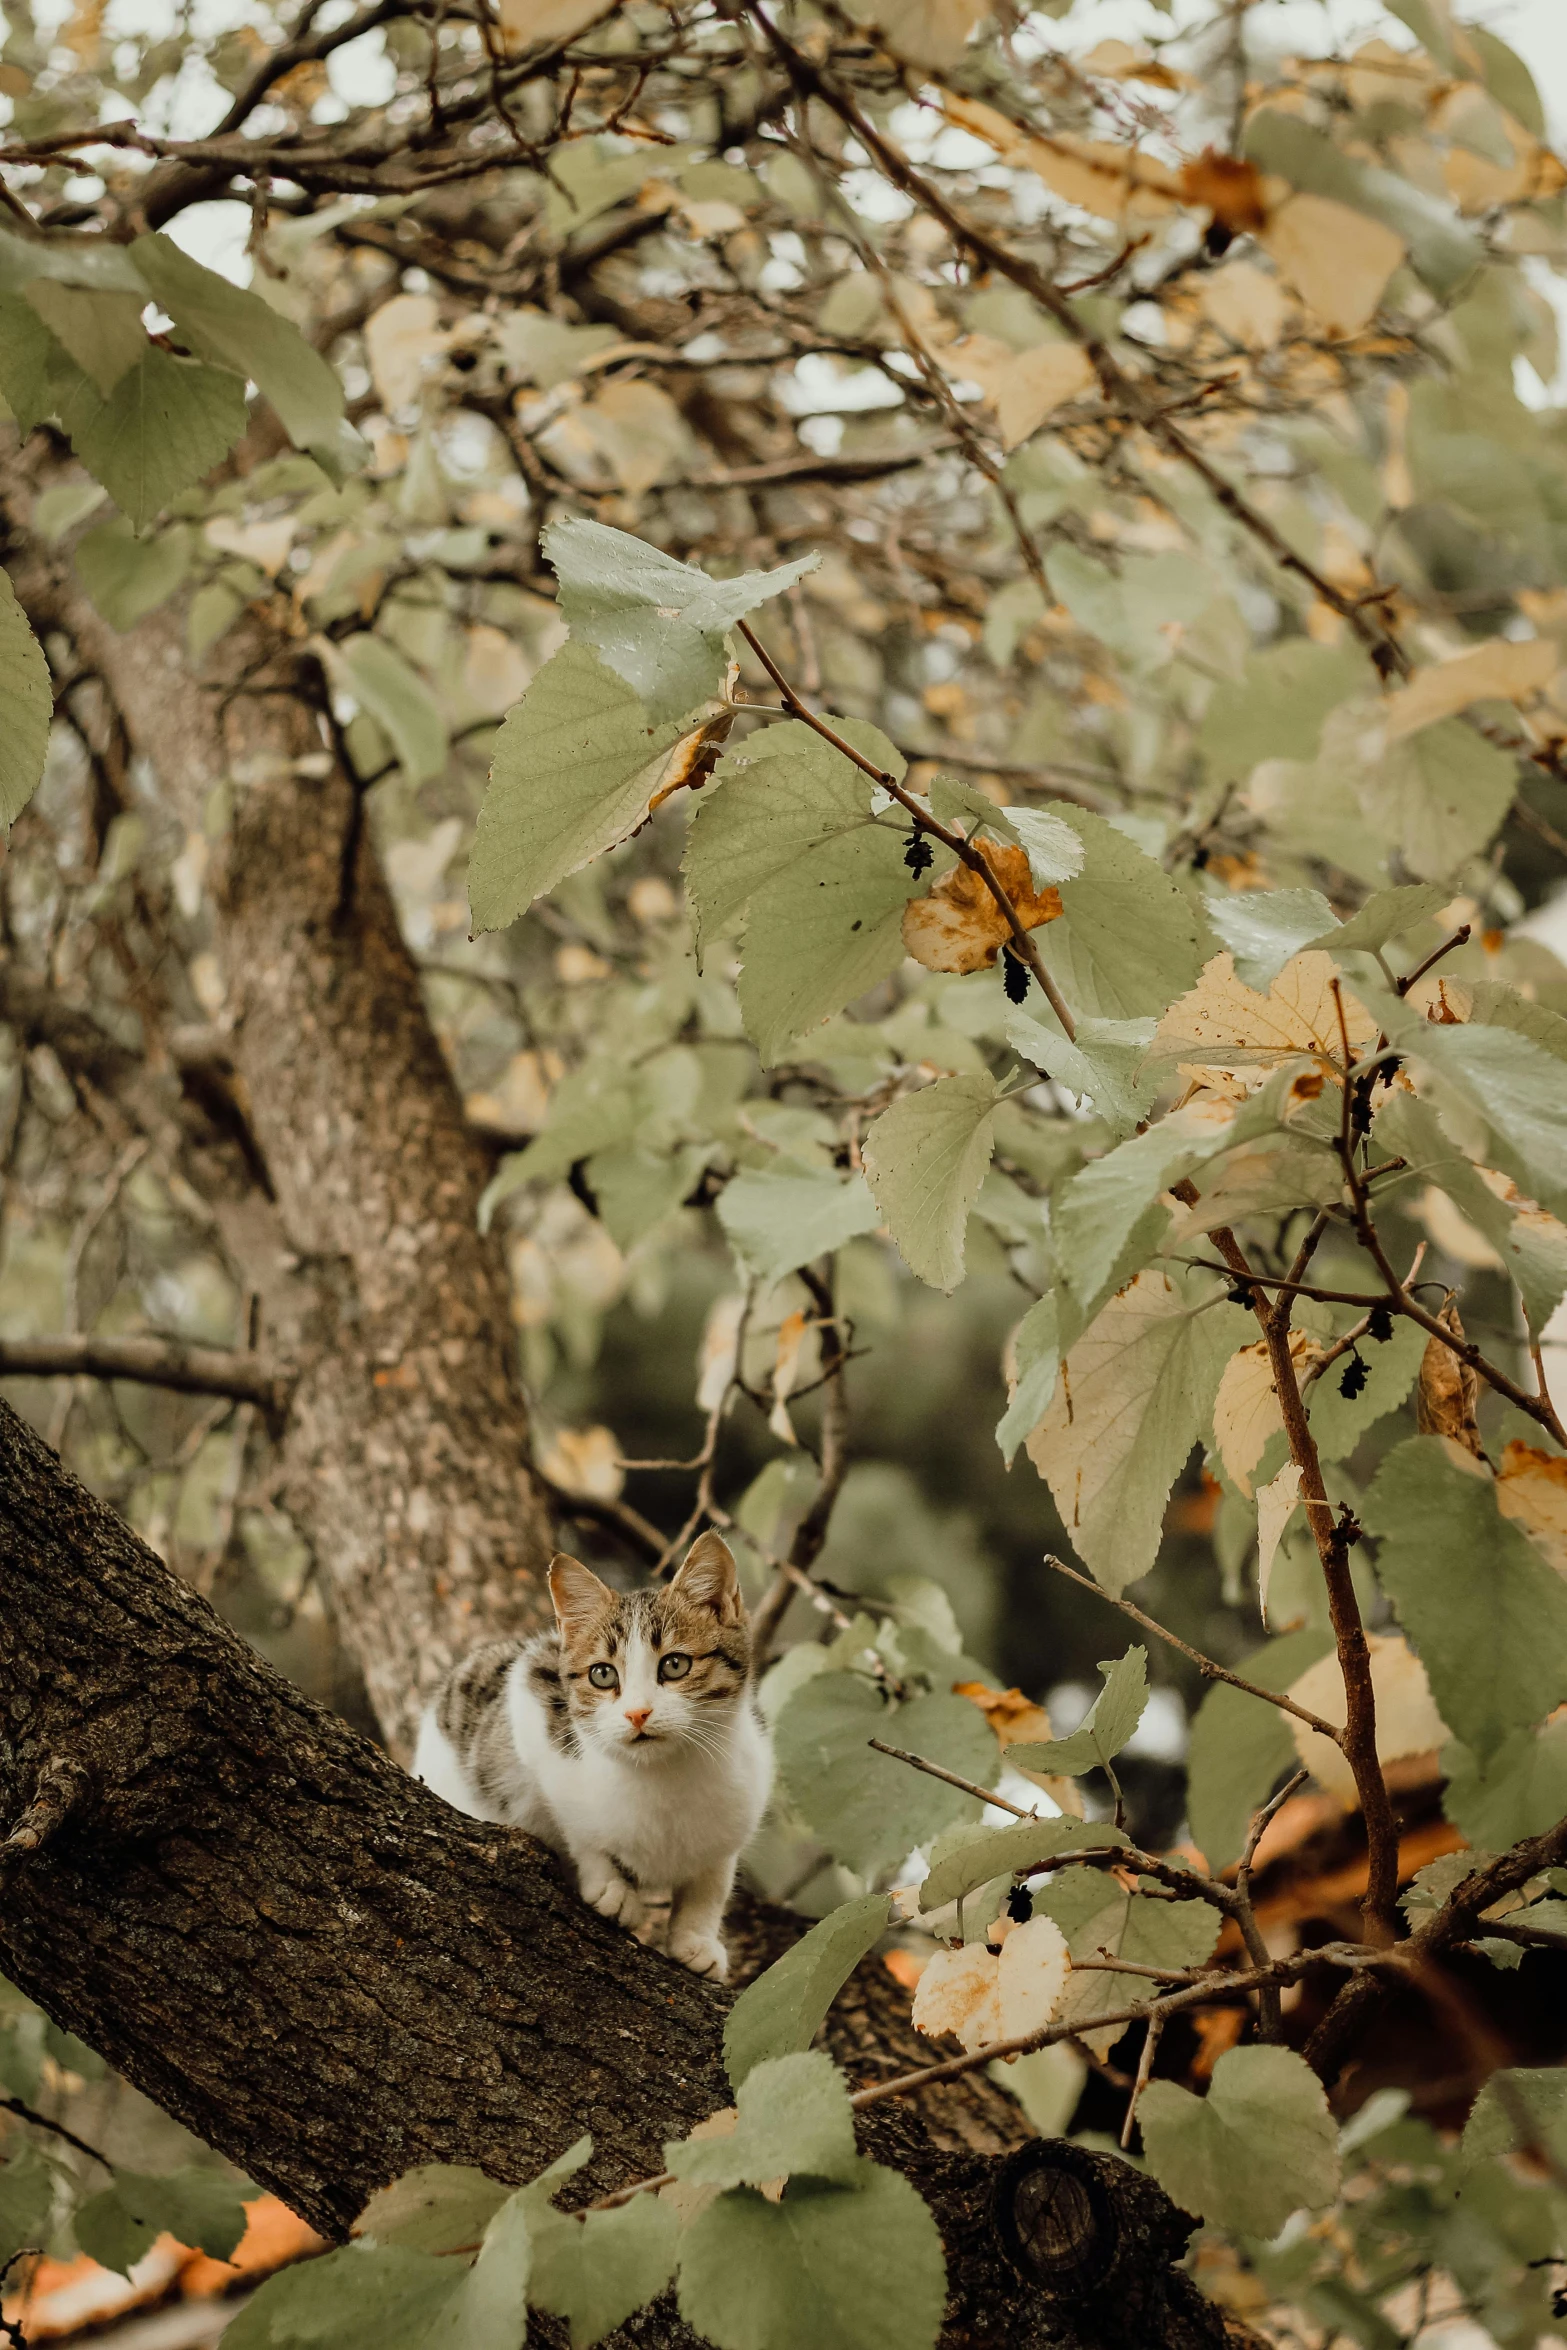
pixel 330 1975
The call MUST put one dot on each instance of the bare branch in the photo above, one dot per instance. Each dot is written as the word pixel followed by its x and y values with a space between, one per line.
pixel 152 1362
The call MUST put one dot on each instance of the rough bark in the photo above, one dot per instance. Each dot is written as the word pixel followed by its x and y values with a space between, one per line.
pixel 406 1450
pixel 331 1976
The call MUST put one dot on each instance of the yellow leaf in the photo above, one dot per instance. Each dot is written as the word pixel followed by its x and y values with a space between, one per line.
pixel 1035 384
pixel 399 338
pixel 528 24
pixel 1223 1024
pixel 718 1353
pixel 1246 1409
pixel 584 1461
pixel 265 544
pixel 639 432
pixel 1531 1489
pixel 980 1997
pixel 960 1992
pixel 494 671
pixel 1407 1720
pixel 960 927
pixel 931 32
pixel 1447 1393
pixel 1246 303
pixel 1017 1721
pixel 1116 183
pixel 1500 670
pixel 1275 1505
pixel 1337 260
pixel 786 1366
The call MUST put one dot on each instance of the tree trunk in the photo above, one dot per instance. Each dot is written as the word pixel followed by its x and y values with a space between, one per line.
pixel 331 1976
pixel 406 1451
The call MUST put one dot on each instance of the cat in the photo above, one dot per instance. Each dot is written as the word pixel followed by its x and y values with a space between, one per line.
pixel 628 1738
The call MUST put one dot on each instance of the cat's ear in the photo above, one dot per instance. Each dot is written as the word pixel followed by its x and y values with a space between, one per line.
pixel 578 1594
pixel 707 1578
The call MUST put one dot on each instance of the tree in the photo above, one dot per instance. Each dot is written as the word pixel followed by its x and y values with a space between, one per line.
pixel 1049 543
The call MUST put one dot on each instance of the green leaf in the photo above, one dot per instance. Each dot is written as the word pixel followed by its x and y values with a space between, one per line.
pixel 127 577
pixel 1263 927
pixel 777 1218
pixel 658 624
pixel 1276 711
pixel 790 840
pixel 487 2308
pixel 1260 2145
pixel 1438 797
pixel 1127 940
pixel 782 2011
pixel 828 2268
pixel 164 427
pixel 868 1810
pixel 1135 1395
pixel 597 2270
pixel 26 707
pixel 634 1189
pixel 37 373
pixel 1103 1065
pixel 1055 851
pixel 440 2207
pixel 1241 1746
pixel 1514 2110
pixel 102 332
pixel 1038 1359
pixel 965 1858
pixel 1506 1085
pixel 235 328
pixel 90 260
pixel 1102 1919
pixel 1486 1613
pixel 1131 609
pixel 1110 1721
pixel 1386 914
pixel 59 510
pixel 1534 1253
pixel 1094 1216
pixel 26 2201
pixel 925 1160
pixel 1518 1790
pixel 391 691
pixel 575 766
pixel 362 2298
pixel 200 2208
pixel 794 2119
pixel 1338 1421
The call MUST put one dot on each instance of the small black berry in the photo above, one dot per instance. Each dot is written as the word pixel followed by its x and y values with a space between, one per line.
pixel 918 854
pixel 1379 1324
pixel 1020 1905
pixel 1014 976
pixel 1356 1373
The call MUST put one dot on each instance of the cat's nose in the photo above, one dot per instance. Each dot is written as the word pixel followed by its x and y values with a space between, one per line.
pixel 637 1715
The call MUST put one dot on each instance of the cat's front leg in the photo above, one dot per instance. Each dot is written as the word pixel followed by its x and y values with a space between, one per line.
pixel 605 1887
pixel 695 1917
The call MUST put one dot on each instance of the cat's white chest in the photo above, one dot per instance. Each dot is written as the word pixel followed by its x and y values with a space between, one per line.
pixel 666 1820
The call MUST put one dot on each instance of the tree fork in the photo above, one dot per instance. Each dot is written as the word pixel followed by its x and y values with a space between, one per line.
pixel 331 1976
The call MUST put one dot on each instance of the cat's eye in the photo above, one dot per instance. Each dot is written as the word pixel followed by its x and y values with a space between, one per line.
pixel 603 1676
pixel 673 1668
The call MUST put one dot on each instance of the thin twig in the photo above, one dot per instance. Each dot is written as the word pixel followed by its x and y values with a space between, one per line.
pixel 1209 1669
pixel 1144 2069
pixel 152 1362
pixel 41 2121
pixel 1269 2014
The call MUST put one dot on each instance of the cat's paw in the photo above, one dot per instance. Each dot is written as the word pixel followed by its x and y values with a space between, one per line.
pixel 607 1891
pixel 704 1954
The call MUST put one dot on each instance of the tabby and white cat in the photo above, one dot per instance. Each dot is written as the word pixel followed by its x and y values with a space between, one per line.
pixel 628 1738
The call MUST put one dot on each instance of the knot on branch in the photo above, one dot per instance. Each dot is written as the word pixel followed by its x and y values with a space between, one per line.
pixel 1076 2224
pixel 62 1787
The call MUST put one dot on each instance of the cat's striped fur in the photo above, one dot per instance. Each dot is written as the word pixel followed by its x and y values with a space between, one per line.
pixel 628 1737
